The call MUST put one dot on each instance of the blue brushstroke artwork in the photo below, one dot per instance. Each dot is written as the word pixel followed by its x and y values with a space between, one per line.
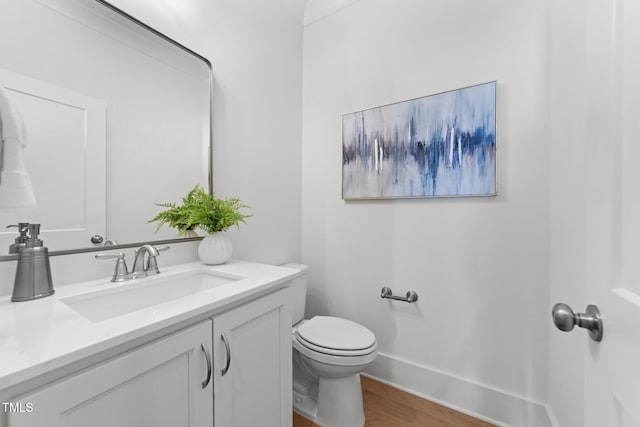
pixel 436 146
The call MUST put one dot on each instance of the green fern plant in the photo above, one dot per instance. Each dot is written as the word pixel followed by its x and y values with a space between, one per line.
pixel 202 210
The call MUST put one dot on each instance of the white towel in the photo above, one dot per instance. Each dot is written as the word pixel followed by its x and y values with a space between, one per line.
pixel 16 190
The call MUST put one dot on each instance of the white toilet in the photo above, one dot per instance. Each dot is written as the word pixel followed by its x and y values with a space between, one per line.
pixel 328 355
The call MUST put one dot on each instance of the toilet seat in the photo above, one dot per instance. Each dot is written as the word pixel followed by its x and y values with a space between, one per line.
pixel 334 359
pixel 333 351
pixel 335 336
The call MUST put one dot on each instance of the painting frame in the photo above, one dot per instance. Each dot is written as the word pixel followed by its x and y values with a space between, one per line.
pixel 434 146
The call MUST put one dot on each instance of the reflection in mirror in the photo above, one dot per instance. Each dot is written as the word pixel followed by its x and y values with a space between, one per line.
pixel 116 118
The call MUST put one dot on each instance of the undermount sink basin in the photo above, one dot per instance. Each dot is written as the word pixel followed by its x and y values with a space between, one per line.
pixel 144 293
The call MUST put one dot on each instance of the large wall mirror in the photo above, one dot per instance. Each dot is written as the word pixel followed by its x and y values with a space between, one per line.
pixel 116 118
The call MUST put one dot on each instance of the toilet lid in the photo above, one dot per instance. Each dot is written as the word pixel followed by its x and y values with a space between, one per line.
pixel 336 333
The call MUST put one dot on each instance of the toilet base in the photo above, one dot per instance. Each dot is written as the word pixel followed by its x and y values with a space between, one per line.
pixel 339 403
pixel 305 405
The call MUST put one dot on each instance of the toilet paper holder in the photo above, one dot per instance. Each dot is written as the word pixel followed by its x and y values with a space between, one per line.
pixel 411 296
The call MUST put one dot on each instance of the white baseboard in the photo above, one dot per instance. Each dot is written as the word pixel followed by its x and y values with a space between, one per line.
pixel 482 402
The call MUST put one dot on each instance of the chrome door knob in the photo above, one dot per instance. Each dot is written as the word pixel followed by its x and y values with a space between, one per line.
pixel 565 319
pixel 96 239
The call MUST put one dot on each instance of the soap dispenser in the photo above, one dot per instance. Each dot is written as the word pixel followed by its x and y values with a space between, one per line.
pixel 33 273
pixel 20 241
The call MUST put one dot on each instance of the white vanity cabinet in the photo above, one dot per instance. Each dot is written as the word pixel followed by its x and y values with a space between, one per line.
pixel 232 369
pixel 159 384
pixel 252 364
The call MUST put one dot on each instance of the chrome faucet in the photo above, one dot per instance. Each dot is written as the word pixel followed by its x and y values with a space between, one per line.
pixel 140 267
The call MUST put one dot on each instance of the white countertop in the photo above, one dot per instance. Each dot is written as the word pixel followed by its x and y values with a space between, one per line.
pixel 37 337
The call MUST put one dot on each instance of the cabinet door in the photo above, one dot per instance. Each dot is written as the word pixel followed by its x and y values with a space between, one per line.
pixel 252 364
pixel 159 384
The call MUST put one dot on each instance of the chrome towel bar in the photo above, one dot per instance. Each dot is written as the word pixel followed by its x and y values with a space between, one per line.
pixel 387 293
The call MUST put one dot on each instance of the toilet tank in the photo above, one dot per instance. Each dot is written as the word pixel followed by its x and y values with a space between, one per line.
pixel 298 292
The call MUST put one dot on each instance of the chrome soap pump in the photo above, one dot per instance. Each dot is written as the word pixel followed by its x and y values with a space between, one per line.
pixel 20 241
pixel 33 273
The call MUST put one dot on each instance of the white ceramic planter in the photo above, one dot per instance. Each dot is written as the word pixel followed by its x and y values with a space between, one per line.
pixel 215 249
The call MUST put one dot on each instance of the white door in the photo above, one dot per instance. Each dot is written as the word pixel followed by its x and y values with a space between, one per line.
pixel 610 201
pixel 252 364
pixel 617 372
pixel 65 137
pixel 162 384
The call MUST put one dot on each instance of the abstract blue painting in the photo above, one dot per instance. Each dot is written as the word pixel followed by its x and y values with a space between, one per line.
pixel 441 145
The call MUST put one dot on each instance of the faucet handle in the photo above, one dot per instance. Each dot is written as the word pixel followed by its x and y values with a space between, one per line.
pixel 152 263
pixel 120 272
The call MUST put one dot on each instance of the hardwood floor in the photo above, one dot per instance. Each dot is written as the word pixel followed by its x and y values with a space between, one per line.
pixel 385 406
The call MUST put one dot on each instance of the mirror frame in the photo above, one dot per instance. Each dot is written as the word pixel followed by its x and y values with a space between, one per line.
pixel 13 257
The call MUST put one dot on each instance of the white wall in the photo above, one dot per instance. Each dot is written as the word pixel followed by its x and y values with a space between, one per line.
pixel 567 198
pixel 477 337
pixel 256 51
pixel 591 54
